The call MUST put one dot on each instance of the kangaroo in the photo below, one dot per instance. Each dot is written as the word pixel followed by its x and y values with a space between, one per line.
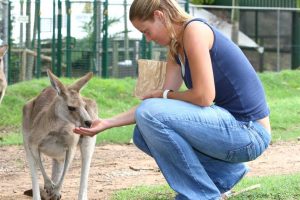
pixel 48 123
pixel 3 82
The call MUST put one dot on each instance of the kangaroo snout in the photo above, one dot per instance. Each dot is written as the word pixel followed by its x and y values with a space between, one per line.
pixel 88 123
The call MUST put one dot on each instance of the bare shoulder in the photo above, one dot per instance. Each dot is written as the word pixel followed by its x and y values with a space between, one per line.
pixel 196 26
pixel 199 33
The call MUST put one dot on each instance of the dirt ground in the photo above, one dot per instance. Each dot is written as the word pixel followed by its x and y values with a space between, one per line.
pixel 116 167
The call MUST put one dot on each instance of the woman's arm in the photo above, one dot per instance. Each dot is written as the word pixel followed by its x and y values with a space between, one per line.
pixel 100 125
pixel 173 79
pixel 198 40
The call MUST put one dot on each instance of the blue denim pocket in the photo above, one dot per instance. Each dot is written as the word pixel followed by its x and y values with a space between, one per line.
pixel 242 154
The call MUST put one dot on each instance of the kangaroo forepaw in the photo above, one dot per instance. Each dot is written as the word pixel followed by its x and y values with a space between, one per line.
pixel 56 196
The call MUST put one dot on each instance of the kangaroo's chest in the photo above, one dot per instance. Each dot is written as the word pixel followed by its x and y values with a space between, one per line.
pixel 55 143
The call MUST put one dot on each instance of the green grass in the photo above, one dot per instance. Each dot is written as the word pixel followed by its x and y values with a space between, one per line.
pixel 116 95
pixel 271 188
pixel 112 96
pixel 160 192
pixel 283 95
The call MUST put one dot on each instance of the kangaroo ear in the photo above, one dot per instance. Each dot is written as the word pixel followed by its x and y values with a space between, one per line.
pixel 77 86
pixel 56 84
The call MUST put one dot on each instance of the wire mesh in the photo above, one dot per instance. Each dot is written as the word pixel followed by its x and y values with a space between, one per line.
pixel 272 30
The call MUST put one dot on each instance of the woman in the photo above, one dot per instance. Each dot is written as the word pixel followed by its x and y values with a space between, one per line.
pixel 199 137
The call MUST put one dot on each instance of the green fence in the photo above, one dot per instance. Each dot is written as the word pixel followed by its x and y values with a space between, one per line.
pixel 74 37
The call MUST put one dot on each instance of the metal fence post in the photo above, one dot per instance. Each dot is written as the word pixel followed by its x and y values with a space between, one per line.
pixel 94 63
pixel 59 39
pixel 115 57
pixel 21 43
pixel 68 42
pixel 143 47
pixel 9 33
pixel 105 41
pixel 187 6
pixel 126 40
pixel 149 52
pixel 38 23
pixel 296 40
pixel 98 39
pixel 278 40
pixel 53 45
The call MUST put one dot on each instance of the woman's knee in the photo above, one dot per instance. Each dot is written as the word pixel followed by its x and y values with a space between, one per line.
pixel 137 137
pixel 139 141
pixel 147 110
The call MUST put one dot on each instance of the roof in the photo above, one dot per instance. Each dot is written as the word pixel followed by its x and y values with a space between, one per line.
pixel 260 3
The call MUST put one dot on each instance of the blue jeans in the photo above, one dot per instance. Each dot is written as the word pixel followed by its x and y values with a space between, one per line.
pixel 199 150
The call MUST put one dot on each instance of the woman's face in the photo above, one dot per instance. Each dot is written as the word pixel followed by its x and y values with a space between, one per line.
pixel 154 30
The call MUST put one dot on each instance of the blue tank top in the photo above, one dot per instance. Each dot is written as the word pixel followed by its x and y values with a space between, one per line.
pixel 238 88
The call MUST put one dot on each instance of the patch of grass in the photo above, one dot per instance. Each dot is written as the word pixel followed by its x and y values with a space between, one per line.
pixel 112 96
pixel 116 95
pixel 162 192
pixel 283 95
pixel 271 188
pixel 11 139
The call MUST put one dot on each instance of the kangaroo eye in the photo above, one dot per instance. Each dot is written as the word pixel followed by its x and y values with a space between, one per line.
pixel 71 108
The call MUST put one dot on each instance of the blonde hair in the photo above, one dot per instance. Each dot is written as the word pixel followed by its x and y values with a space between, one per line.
pixel 144 10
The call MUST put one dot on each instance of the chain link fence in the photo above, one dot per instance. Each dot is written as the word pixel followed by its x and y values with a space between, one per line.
pixel 269 36
pixel 74 37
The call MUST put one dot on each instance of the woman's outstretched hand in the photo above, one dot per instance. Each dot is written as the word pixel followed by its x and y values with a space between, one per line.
pixel 97 126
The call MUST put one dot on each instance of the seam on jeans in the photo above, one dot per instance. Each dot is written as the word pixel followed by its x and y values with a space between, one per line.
pixel 263 145
pixel 184 159
pixel 248 149
pixel 215 110
pixel 239 179
pixel 260 133
pixel 200 122
pixel 163 126
pixel 205 125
